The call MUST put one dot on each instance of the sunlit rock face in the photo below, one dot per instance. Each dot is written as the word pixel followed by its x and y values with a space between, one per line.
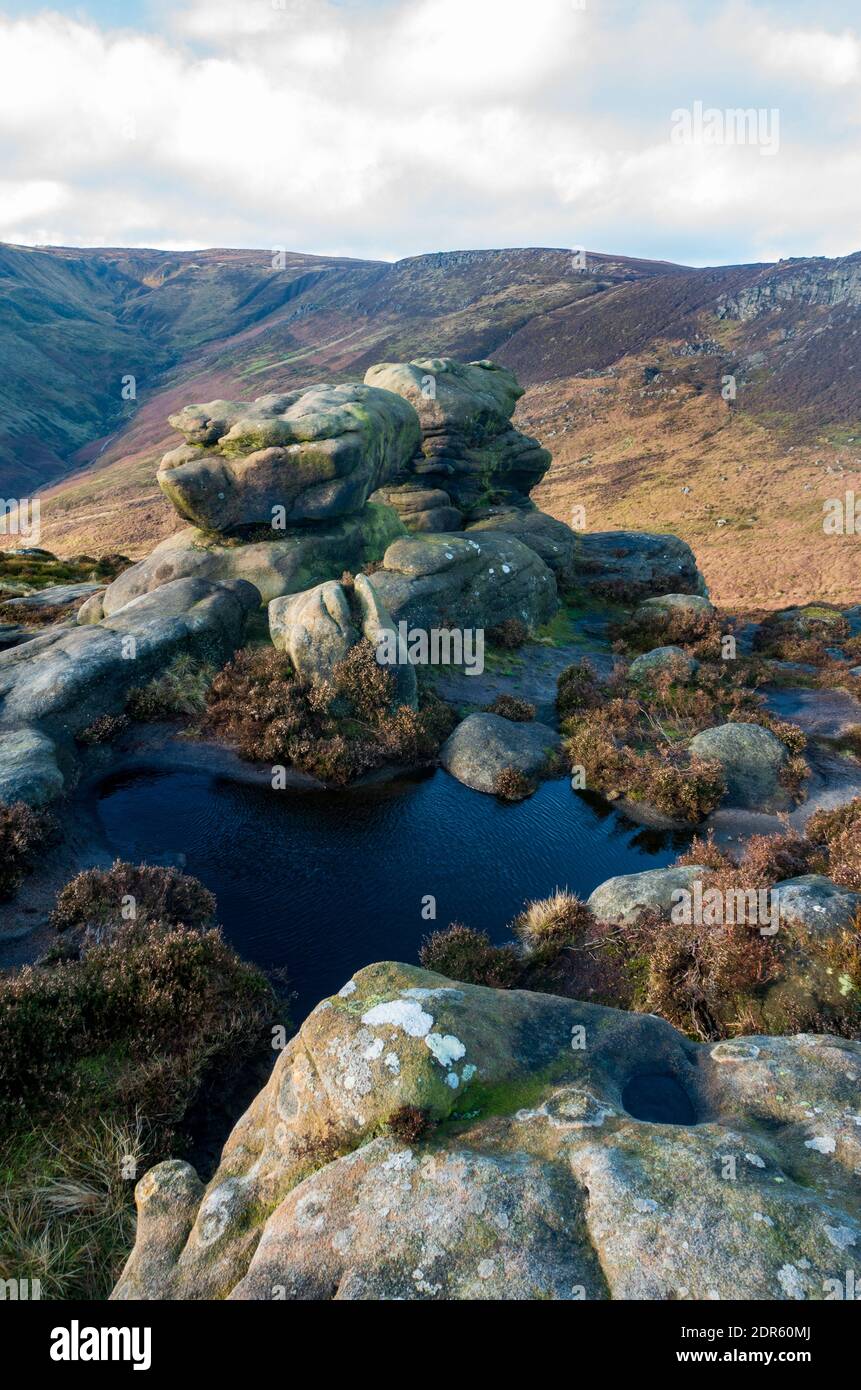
pixel 469 447
pixel 302 456
pixel 424 1139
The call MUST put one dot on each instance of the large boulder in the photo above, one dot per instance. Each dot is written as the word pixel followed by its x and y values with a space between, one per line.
pixel 314 628
pixel 468 443
pixel 465 582
pixel 661 659
pixel 318 628
pixel 555 542
pixel 288 563
pixel 631 565
pixel 301 456
pixel 622 899
pixel 589 1158
pixel 55 686
pixel 484 745
pixel 753 760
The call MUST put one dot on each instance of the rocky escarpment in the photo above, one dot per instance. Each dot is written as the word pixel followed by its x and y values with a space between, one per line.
pixel 799 280
pixel 425 1140
pixel 53 687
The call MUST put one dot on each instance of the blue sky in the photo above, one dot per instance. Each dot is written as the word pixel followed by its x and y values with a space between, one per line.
pixel 387 128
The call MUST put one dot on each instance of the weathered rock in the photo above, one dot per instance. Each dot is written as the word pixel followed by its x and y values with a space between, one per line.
pixel 483 745
pixel 421 508
pixel 314 628
pixel 668 604
pixel 468 443
pixel 555 542
pixel 631 565
pixel 625 897
pixel 752 759
pixel 815 904
pixel 296 560
pixel 590 1160
pixel 57 596
pixel 305 456
pixel 28 767
pixel 660 659
pixel 92 610
pixel 319 627
pixel 61 682
pixel 463 582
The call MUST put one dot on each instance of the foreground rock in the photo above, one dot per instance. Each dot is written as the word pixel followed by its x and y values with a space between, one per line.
pixel 318 628
pixel 55 686
pixel 623 898
pixel 308 455
pixel 815 904
pixel 287 564
pixel 455 581
pixel 661 659
pixel 579 1153
pixel 753 760
pixel 631 565
pixel 469 447
pixel 485 745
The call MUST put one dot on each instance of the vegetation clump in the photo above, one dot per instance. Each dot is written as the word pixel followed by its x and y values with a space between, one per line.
pixel 409 1123
pixel 100 900
pixel 335 730
pixel 23 833
pixel 461 953
pixel 510 784
pixel 511 633
pixel 630 739
pixel 105 1052
pixel 180 691
pixel 103 730
pixel 510 707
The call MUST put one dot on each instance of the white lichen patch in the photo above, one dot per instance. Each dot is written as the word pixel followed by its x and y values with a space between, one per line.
pixel 754 1160
pixel 348 989
pixel 446 1048
pixel 821 1144
pixel 406 1014
pixel 841 1237
pixel 217 1209
pixel 790 1280
pixel 392 1061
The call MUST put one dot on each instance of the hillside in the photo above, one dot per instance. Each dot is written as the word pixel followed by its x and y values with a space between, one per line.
pixel 623 364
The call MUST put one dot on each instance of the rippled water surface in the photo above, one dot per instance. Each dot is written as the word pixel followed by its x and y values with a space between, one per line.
pixel 326 882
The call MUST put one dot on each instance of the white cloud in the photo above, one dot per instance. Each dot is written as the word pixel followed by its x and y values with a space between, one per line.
pixel 812 54
pixel 423 124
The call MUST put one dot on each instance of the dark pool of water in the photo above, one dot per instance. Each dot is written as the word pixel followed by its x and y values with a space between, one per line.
pixel 323 883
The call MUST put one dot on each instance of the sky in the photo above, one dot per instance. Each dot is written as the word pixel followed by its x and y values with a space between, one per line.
pixel 390 128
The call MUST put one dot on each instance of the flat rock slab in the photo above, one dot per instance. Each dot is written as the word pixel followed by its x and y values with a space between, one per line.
pixel 820 713
pixel 57 596
pixel 483 745
pixel 287 564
